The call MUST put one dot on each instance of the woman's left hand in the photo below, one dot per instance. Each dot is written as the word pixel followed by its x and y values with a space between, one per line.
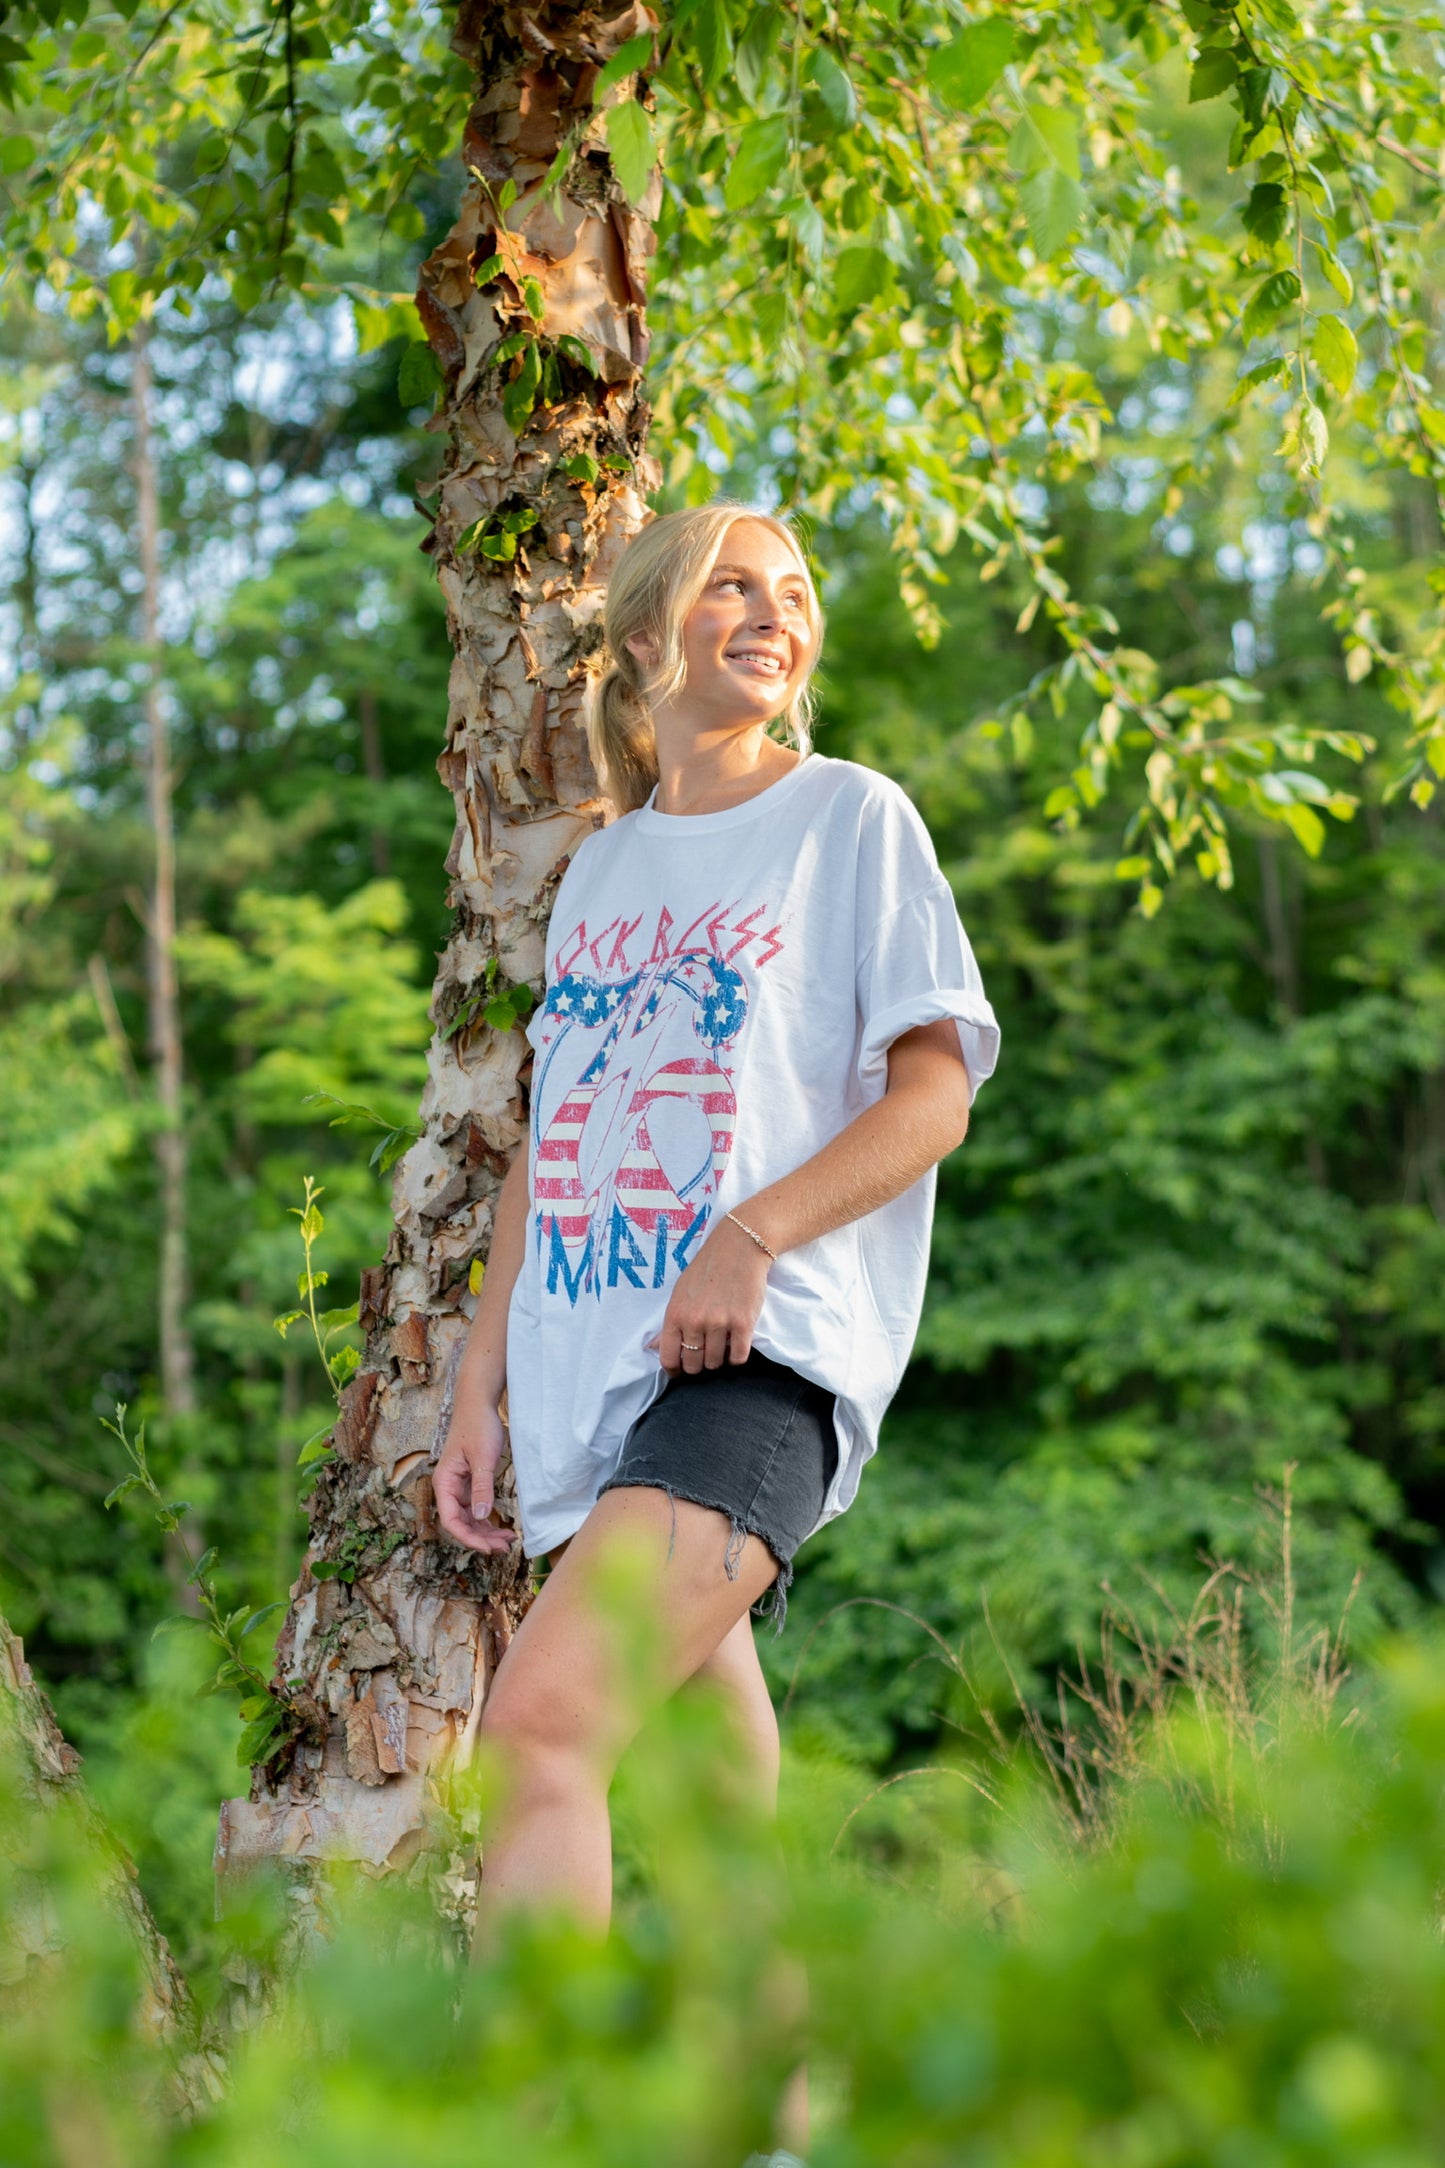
pixel 715 1304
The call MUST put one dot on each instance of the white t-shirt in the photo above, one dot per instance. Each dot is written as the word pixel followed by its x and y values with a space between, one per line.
pixel 722 991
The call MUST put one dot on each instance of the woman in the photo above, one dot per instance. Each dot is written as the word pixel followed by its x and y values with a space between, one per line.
pixel 763 1028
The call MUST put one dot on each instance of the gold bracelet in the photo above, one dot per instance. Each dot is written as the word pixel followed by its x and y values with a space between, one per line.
pixel 749 1232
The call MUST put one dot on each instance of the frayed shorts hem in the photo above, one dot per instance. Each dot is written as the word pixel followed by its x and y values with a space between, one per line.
pixel 773 1603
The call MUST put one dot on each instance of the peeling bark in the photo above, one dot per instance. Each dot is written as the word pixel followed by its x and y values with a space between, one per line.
pixel 394 1665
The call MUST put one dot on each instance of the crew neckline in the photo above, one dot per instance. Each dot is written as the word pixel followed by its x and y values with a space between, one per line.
pixel 732 816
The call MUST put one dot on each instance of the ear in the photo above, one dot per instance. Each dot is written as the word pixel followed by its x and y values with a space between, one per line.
pixel 642 648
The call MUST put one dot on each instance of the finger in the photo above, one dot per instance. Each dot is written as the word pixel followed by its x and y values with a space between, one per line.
pixel 669 1345
pixel 691 1348
pixel 715 1345
pixel 447 1480
pixel 740 1343
pixel 483 1492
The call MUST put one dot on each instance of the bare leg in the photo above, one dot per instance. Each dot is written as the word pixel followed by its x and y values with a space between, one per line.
pixel 734 1672
pixel 567 1698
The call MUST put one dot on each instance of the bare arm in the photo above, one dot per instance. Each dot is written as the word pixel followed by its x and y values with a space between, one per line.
pixel 466 1471
pixel 922 1116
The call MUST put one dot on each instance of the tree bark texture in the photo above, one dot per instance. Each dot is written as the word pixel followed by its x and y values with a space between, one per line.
pixel 45 1768
pixel 390 1669
pixel 177 1360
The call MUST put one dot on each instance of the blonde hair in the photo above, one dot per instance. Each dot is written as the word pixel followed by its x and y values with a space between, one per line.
pixel 659 577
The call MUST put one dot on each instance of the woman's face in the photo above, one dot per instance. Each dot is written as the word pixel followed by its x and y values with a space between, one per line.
pixel 746 641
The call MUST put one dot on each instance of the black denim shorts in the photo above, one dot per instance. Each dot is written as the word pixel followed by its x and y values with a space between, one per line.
pixel 752 1440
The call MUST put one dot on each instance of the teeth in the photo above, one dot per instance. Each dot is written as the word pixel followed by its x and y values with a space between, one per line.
pixel 770 662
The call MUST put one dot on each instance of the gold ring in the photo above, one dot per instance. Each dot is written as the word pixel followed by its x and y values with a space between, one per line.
pixel 694 1347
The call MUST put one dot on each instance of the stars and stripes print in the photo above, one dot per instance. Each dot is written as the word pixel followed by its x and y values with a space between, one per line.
pixel 634 1104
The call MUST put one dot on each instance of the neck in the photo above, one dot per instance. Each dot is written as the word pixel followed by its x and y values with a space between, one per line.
pixel 705 768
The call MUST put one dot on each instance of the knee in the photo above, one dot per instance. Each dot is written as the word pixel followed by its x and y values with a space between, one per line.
pixel 536 1738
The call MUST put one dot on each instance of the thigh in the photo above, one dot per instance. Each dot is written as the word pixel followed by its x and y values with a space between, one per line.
pixel 638 1601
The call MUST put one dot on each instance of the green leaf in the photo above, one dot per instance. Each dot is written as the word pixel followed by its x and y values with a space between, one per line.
pixel 754 50
pixel 1213 73
pixel 634 154
pixel 1335 351
pixel 520 395
pixel 490 267
pixel 177 1620
pixel 1314 436
pixel 16 152
pixel 123 1489
pixel 326 1569
pixel 1263 372
pixel 582 467
pixel 283 1324
pixel 1266 215
pixel 203 1564
pixel 761 152
pixel 713 42
pixel 534 301
pixel 833 87
pixel 419 378
pixel 507 349
pixel 1053 202
pixel 393 1146
pixel 343 1364
pixel 1335 272
pixel 1045 137
pixel 332 1320
pixel 624 62
pixel 1268 303
pixel 1306 826
pixel 315 1449
pixel 859 275
pixel 578 351
pixel 964 71
pixel 259 1740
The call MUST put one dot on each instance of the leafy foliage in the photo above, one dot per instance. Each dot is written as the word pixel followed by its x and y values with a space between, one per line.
pixel 1194 1233
pixel 1246 1963
pixel 866 265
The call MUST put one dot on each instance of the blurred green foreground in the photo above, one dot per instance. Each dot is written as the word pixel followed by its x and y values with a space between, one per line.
pixel 1198 1923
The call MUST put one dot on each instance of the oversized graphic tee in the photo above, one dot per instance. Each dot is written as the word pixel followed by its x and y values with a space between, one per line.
pixel 722 991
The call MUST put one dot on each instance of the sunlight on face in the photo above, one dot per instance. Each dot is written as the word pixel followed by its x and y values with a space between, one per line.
pixel 747 640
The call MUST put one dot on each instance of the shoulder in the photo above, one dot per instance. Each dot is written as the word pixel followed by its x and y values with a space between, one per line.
pixel 888 831
pixel 597 850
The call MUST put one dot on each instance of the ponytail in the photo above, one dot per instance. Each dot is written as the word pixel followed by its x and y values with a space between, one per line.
pixel 621 738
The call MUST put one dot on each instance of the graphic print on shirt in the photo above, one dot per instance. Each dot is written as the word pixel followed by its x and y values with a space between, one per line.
pixel 632 1094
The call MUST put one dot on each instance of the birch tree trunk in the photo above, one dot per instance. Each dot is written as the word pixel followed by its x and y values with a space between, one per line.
pixel 388 1670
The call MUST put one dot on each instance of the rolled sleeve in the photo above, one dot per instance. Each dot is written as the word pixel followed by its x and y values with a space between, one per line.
pixel 920 969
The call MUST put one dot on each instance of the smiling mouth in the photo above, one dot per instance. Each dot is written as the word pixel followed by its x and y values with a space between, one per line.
pixel 759 659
